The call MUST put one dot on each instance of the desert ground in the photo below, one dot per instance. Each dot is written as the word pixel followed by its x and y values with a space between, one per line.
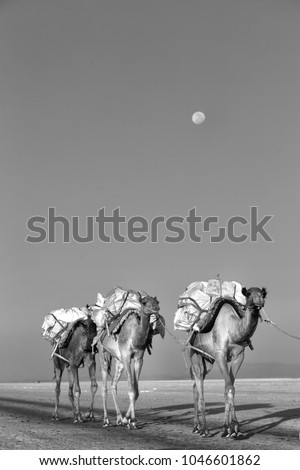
pixel 268 410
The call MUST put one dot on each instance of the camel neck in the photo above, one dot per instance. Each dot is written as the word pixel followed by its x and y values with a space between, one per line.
pixel 145 321
pixel 249 322
pixel 142 328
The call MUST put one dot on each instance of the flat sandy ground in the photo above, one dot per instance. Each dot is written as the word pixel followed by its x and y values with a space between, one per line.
pixel 268 410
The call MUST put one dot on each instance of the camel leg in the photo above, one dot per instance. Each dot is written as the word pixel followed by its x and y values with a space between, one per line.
pixel 70 391
pixel 138 364
pixel 137 368
pixel 196 373
pixel 104 365
pixel 114 385
pixel 75 391
pixel 228 395
pixel 91 364
pixel 129 418
pixel 235 366
pixel 58 371
pixel 199 370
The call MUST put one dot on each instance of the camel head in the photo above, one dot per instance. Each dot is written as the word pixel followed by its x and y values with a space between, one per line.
pixel 255 297
pixel 150 305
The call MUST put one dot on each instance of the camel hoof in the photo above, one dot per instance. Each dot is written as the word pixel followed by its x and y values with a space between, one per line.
pixel 225 433
pixel 205 434
pixel 78 420
pixel 106 423
pixel 131 423
pixel 90 416
pixel 237 435
pixel 202 432
pixel 54 418
pixel 132 426
pixel 120 422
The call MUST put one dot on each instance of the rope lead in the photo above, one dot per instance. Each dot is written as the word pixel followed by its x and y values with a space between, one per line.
pixel 277 327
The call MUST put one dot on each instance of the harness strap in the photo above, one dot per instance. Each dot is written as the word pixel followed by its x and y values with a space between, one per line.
pixel 61 357
pixel 192 302
pixel 54 353
pixel 124 301
pixel 56 319
pixel 207 356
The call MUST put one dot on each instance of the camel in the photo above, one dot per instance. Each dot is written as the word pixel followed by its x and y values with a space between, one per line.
pixel 224 343
pixel 128 345
pixel 76 350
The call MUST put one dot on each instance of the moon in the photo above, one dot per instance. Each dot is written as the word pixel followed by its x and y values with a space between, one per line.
pixel 198 117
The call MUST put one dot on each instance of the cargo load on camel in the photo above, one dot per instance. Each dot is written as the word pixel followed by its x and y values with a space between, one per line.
pixel 58 322
pixel 118 300
pixel 110 312
pixel 196 304
pixel 113 305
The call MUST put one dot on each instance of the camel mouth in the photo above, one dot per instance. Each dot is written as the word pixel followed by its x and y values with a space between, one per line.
pixel 260 305
pixel 153 310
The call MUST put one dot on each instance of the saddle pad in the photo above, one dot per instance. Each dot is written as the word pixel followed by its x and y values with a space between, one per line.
pixel 116 323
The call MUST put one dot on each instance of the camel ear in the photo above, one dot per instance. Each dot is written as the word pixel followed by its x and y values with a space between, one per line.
pixel 264 292
pixel 245 292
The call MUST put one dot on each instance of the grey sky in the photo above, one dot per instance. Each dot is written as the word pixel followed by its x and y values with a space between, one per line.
pixel 96 99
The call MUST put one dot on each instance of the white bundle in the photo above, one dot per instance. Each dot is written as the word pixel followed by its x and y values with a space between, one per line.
pixel 201 295
pixel 120 299
pixel 57 320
